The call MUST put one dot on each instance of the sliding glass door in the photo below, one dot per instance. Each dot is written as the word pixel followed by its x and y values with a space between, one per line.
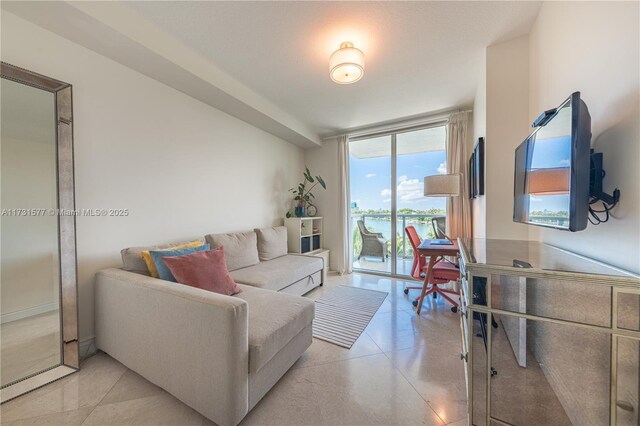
pixel 386 176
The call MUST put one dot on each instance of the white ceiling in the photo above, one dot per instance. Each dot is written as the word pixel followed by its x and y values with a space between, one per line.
pixel 413 142
pixel 267 62
pixel 419 56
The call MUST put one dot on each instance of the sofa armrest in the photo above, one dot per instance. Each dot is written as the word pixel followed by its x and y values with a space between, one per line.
pixel 191 342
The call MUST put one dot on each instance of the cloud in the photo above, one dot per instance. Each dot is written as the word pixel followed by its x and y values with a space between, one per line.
pixel 565 162
pixel 535 199
pixel 369 175
pixel 442 169
pixel 408 190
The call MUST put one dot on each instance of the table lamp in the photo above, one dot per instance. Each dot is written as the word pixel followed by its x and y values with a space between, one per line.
pixel 442 186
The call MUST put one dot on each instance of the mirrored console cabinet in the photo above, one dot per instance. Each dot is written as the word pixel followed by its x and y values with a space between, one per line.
pixel 548 337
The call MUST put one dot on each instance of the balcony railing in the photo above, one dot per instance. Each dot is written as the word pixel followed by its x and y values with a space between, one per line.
pixel 550 220
pixel 421 221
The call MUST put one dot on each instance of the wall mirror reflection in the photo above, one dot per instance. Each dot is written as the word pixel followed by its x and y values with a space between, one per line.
pixel 38 292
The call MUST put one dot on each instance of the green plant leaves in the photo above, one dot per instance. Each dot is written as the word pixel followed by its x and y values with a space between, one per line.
pixel 302 194
pixel 307 175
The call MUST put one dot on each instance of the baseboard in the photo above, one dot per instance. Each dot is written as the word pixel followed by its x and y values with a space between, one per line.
pixel 87 347
pixel 29 312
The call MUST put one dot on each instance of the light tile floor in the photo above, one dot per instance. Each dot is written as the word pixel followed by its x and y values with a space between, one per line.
pixel 29 345
pixel 403 370
pixel 367 264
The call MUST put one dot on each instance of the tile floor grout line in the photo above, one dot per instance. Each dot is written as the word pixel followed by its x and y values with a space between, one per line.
pixel 105 395
pixel 337 360
pixel 374 342
pixel 445 424
pixel 64 411
pixel 393 364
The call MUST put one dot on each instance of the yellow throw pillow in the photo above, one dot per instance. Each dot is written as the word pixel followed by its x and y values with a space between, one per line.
pixel 149 261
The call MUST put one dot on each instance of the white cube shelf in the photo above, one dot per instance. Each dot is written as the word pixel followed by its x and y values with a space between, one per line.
pixel 304 234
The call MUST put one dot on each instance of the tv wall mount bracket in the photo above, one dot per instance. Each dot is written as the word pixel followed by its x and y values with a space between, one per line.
pixel 596 192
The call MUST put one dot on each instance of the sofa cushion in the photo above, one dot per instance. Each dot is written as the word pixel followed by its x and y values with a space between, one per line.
pixel 146 255
pixel 203 269
pixel 278 273
pixel 274 319
pixel 240 249
pixel 133 261
pixel 162 270
pixel 272 242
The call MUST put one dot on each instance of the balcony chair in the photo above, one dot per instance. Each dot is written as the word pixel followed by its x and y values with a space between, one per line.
pixel 443 272
pixel 373 243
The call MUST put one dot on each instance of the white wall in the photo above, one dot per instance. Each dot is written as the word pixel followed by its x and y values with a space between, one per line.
pixel 478 204
pixel 507 125
pixel 324 162
pixel 593 47
pixel 29 274
pixel 182 168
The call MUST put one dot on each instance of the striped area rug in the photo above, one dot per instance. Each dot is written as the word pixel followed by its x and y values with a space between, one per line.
pixel 343 313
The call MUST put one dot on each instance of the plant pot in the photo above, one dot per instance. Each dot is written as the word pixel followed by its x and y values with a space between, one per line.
pixel 300 211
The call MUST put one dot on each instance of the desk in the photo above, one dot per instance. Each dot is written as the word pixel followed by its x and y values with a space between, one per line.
pixel 434 252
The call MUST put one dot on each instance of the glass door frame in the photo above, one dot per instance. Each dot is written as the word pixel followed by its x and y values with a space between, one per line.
pixel 394 191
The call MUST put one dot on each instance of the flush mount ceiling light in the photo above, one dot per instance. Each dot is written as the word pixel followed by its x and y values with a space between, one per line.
pixel 346 64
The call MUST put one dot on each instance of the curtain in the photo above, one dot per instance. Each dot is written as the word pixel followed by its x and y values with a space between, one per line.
pixel 344 206
pixel 458 208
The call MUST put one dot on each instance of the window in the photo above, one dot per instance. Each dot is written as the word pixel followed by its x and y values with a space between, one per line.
pixel 386 176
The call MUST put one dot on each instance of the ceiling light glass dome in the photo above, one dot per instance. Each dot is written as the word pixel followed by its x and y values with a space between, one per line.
pixel 346 64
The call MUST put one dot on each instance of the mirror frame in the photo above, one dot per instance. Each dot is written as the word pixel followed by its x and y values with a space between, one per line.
pixel 70 349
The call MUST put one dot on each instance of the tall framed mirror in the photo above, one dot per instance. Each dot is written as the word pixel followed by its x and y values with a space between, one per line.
pixel 38 286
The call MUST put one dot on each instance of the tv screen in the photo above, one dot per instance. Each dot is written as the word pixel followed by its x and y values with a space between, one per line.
pixel 551 186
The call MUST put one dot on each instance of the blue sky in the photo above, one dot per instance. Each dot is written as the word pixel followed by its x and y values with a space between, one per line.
pixel 550 153
pixel 371 181
pixel 371 178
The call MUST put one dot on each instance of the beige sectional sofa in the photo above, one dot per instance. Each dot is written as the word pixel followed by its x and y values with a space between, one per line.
pixel 218 354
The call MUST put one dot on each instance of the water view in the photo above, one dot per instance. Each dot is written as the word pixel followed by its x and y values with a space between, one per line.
pixel 425 230
pixel 381 223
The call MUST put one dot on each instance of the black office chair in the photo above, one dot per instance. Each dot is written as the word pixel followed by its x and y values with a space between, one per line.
pixel 480 298
pixel 439 225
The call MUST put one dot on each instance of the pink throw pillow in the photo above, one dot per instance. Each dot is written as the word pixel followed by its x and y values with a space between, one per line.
pixel 204 269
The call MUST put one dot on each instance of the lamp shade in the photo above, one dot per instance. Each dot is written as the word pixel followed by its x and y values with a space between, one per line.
pixel 346 64
pixel 442 186
pixel 552 181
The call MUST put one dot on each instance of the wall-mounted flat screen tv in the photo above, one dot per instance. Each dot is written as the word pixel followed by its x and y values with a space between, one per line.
pixel 552 166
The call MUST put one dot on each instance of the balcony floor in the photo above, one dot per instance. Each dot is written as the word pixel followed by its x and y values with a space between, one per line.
pixel 403 266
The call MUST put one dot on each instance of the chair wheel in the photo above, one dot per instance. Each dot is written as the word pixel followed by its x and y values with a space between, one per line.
pixel 454 309
pixel 406 291
pixel 493 372
pixel 415 303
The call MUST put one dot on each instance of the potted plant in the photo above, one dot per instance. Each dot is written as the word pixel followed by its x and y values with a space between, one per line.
pixel 303 195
